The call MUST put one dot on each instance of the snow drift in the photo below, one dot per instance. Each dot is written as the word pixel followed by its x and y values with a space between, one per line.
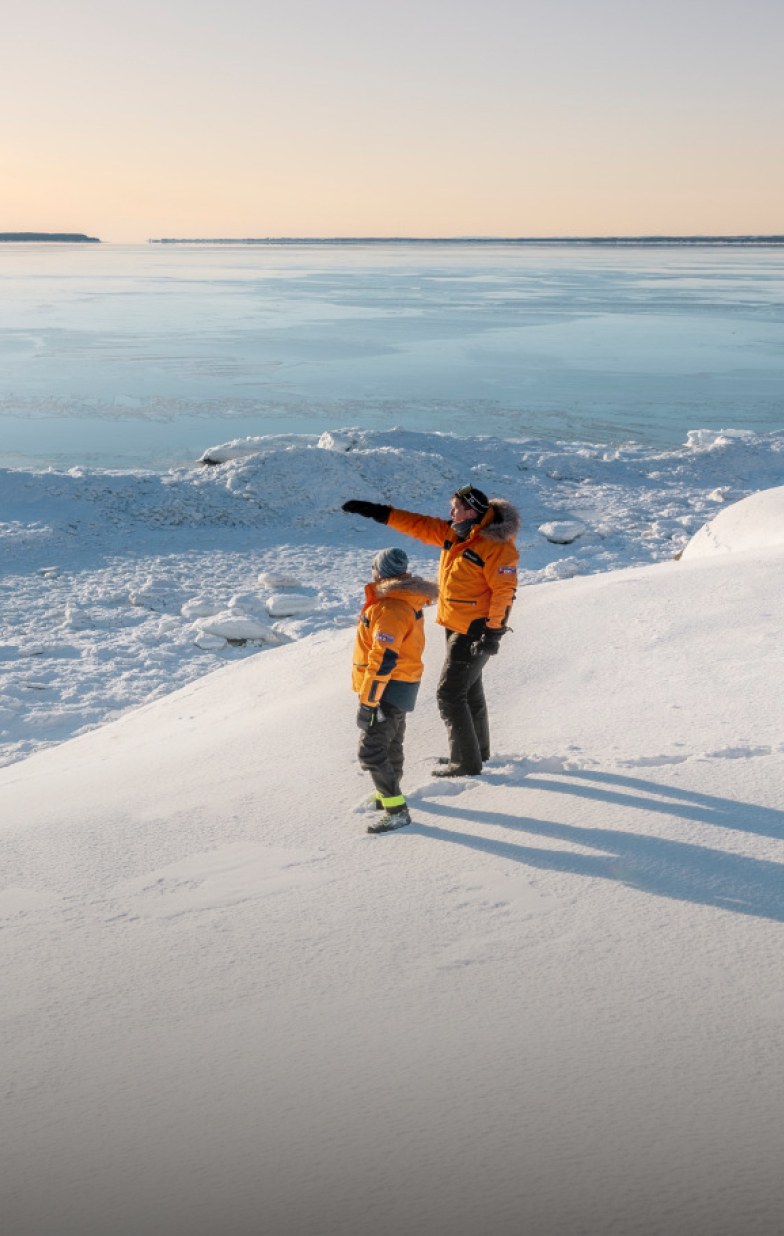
pixel 754 522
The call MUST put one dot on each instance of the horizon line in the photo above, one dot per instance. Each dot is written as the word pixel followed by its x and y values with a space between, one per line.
pixel 643 238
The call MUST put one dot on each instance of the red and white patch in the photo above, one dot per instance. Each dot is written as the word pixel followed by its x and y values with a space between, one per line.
pixel 507 570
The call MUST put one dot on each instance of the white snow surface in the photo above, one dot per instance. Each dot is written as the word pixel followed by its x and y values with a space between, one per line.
pixel 552 1005
pixel 756 521
pixel 110 579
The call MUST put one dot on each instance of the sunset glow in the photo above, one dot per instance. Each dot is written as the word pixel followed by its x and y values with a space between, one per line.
pixel 353 119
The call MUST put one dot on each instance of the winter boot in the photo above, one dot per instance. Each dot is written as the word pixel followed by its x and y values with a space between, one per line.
pixel 455 770
pixel 393 817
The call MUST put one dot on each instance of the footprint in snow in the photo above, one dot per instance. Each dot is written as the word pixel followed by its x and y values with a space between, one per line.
pixel 447 787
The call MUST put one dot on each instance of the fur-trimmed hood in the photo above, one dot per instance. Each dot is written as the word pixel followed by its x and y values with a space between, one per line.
pixel 503 521
pixel 411 586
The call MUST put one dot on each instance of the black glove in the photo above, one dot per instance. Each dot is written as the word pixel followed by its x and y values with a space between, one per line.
pixel 368 510
pixel 489 641
pixel 367 717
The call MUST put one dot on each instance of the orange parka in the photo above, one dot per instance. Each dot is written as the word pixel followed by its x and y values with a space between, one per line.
pixel 391 637
pixel 477 576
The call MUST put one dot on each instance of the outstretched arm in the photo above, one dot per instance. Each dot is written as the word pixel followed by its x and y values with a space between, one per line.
pixel 421 527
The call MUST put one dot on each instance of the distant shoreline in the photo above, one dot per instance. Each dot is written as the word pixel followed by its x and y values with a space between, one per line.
pixel 619 241
pixel 68 238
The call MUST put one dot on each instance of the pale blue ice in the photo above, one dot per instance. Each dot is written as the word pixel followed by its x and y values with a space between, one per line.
pixel 129 356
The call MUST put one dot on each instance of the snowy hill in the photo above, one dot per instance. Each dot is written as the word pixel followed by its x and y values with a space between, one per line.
pixel 554 1005
pixel 758 520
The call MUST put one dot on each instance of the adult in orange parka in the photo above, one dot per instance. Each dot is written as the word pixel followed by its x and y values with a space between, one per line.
pixel 386 674
pixel 477 583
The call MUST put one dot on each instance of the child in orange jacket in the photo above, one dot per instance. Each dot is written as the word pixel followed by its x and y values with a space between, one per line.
pixel 386 674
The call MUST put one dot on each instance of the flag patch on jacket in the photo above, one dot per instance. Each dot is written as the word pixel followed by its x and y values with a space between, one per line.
pixel 383 638
pixel 507 570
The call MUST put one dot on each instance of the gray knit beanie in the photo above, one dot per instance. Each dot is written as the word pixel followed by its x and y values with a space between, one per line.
pixel 389 563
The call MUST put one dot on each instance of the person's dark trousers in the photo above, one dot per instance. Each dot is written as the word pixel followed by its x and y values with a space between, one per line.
pixel 461 701
pixel 381 751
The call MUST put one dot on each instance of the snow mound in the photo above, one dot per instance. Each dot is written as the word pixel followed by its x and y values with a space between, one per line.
pixel 154 595
pixel 287 604
pixel 710 439
pixel 209 643
pixel 756 522
pixel 564 568
pixel 240 448
pixel 278 579
pixel 336 442
pixel 201 607
pixel 246 603
pixel 233 625
pixel 562 532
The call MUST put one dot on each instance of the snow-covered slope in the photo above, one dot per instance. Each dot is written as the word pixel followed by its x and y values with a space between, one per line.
pixel 554 1005
pixel 756 520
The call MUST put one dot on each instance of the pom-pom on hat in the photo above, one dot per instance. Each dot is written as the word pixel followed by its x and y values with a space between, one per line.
pixel 474 498
pixel 389 563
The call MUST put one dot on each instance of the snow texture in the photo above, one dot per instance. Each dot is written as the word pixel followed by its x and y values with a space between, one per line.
pixel 551 1005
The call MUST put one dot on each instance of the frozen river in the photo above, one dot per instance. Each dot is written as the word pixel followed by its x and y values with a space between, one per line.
pixel 141 356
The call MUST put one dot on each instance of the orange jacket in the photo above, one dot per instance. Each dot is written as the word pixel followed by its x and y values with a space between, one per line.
pixel 477 577
pixel 390 635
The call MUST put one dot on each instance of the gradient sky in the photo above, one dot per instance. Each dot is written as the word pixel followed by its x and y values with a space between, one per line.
pixel 352 117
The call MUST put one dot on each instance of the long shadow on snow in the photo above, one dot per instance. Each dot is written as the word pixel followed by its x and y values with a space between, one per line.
pixel 674 869
pixel 668 799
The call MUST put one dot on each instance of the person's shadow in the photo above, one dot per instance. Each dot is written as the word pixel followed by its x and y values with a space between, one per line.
pixel 681 870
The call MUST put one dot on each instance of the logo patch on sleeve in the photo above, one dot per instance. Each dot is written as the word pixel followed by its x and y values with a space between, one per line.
pixel 383 638
pixel 507 570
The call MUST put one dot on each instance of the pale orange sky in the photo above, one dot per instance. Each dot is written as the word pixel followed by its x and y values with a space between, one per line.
pixel 357 118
